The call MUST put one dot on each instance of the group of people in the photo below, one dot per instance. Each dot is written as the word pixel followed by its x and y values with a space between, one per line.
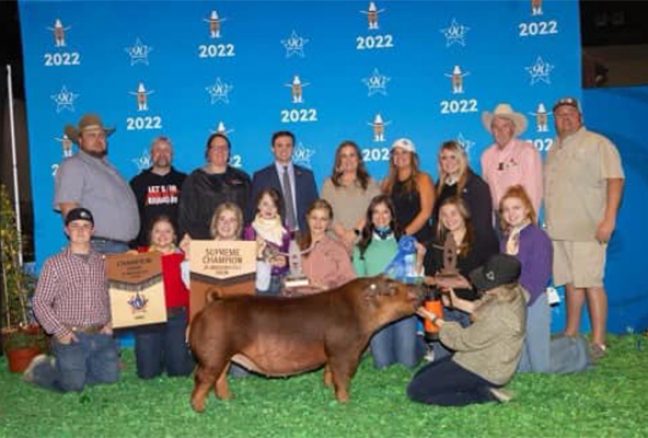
pixel 495 304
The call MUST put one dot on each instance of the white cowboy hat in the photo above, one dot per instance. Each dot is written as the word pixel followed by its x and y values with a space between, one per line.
pixel 404 143
pixel 506 111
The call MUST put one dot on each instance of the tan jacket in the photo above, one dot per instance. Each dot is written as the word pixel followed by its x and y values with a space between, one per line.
pixel 491 346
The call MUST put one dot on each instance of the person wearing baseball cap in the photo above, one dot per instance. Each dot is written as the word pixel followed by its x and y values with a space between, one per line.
pixel 411 190
pixel 487 351
pixel 583 187
pixel 510 161
pixel 71 303
pixel 87 179
pixel 79 214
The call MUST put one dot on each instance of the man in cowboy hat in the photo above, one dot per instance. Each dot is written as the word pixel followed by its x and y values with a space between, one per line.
pixel 510 161
pixel 583 186
pixel 88 180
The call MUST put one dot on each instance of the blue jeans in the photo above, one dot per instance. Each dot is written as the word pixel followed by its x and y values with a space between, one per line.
pixel 161 347
pixel 91 360
pixel 397 343
pixel 445 383
pixel 535 351
pixel 274 289
pixel 105 246
pixel 440 351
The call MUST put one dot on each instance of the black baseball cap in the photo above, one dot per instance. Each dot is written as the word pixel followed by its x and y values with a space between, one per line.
pixel 498 270
pixel 79 213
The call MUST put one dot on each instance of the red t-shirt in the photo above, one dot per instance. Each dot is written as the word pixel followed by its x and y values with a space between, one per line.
pixel 176 293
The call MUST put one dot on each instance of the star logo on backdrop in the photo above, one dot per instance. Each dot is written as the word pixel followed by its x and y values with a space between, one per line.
pixel 143 162
pixel 302 155
pixel 294 45
pixel 376 83
pixel 455 34
pixel 465 144
pixel 540 71
pixel 64 99
pixel 139 52
pixel 219 92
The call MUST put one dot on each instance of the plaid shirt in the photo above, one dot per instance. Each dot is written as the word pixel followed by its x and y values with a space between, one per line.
pixel 72 291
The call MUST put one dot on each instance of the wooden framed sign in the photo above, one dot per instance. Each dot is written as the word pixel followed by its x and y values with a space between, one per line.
pixel 227 268
pixel 136 289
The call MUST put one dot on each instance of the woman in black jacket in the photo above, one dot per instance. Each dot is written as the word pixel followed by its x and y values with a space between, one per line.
pixel 209 186
pixel 456 178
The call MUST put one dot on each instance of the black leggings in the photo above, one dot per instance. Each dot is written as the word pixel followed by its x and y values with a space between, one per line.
pixel 446 383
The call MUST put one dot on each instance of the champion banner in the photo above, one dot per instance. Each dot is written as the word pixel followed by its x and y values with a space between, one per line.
pixel 326 70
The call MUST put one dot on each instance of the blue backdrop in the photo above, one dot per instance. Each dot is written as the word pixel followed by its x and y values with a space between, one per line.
pixel 328 71
pixel 620 114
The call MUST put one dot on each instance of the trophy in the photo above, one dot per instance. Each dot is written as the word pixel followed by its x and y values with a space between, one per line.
pixel 449 258
pixel 448 276
pixel 296 277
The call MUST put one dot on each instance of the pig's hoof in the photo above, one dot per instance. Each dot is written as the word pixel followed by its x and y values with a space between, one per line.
pixel 342 398
pixel 198 406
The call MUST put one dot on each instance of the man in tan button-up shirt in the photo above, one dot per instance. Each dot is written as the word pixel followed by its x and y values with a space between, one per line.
pixel 583 186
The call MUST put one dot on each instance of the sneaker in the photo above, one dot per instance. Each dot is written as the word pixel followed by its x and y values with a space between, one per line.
pixel 501 395
pixel 429 355
pixel 597 351
pixel 28 374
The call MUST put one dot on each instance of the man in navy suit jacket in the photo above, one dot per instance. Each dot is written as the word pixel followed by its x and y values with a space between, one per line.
pixel 303 187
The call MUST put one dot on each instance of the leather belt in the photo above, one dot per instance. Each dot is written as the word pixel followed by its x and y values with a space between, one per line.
pixel 88 330
pixel 104 239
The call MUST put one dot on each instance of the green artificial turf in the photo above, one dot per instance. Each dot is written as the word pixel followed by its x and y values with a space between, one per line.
pixel 610 400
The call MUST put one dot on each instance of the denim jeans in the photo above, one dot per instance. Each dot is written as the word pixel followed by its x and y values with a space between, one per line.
pixel 397 343
pixel 91 360
pixel 445 383
pixel 274 289
pixel 162 347
pixel 535 351
pixel 104 246
pixel 440 351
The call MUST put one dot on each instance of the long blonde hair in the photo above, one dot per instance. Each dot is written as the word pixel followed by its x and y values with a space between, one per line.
pixel 460 153
pixel 213 224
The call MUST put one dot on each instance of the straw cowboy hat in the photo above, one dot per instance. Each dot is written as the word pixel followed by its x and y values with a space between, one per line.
pixel 88 121
pixel 506 111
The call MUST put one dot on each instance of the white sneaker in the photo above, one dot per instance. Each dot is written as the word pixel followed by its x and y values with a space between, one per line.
pixel 28 374
pixel 501 395
pixel 429 356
